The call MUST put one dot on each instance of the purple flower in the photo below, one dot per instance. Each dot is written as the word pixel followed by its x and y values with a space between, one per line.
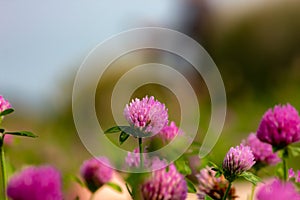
pixel 4 104
pixel 212 186
pixel 277 190
pixel 169 132
pixel 96 172
pixel 263 152
pixel 165 185
pixel 297 178
pixel 35 183
pixel 147 114
pixel 237 161
pixel 292 174
pixel 280 126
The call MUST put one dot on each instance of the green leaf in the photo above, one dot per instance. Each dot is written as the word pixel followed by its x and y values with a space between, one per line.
pixel 208 198
pixel 217 169
pixel 123 137
pixel 294 151
pixel 190 186
pixel 114 129
pixel 7 111
pixel 251 177
pixel 22 133
pixel 183 167
pixel 114 186
pixel 77 180
pixel 2 130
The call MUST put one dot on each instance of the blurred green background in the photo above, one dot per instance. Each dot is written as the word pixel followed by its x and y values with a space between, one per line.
pixel 256 48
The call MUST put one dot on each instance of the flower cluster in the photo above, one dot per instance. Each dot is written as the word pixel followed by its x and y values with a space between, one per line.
pixel 165 185
pixel 148 114
pixel 212 186
pixel 96 172
pixel 263 152
pixel 237 161
pixel 280 126
pixel 35 183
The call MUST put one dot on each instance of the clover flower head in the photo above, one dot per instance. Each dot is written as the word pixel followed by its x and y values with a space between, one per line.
pixel 277 190
pixel 214 187
pixel 263 152
pixel 238 160
pixel 165 185
pixel 280 126
pixel 96 172
pixel 4 104
pixel 147 114
pixel 35 183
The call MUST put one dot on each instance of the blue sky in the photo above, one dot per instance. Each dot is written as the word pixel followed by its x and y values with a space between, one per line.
pixel 41 42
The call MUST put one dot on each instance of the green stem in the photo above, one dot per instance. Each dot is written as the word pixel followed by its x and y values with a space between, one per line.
pixel 141 153
pixel 227 191
pixel 252 191
pixel 284 169
pixel 3 169
pixel 284 164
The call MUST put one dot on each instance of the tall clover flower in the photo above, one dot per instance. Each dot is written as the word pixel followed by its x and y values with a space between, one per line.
pixel 212 186
pixel 277 190
pixel 263 152
pixel 238 160
pixel 236 163
pixel 5 109
pixel 280 126
pixel 147 114
pixel 96 173
pixel 35 183
pixel 165 185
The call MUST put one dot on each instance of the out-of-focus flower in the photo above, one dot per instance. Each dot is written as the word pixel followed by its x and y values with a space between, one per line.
pixel 96 172
pixel 147 114
pixel 277 190
pixel 291 173
pixel 4 104
pixel 280 126
pixel 237 161
pixel 263 152
pixel 8 139
pixel 212 186
pixel 133 160
pixel 165 185
pixel 169 132
pixel 35 183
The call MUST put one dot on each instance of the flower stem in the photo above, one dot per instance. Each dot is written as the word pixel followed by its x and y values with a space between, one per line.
pixel 141 153
pixel 284 169
pixel 227 191
pixel 3 169
pixel 252 191
pixel 284 164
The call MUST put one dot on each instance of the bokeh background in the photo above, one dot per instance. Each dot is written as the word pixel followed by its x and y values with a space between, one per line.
pixel 255 44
